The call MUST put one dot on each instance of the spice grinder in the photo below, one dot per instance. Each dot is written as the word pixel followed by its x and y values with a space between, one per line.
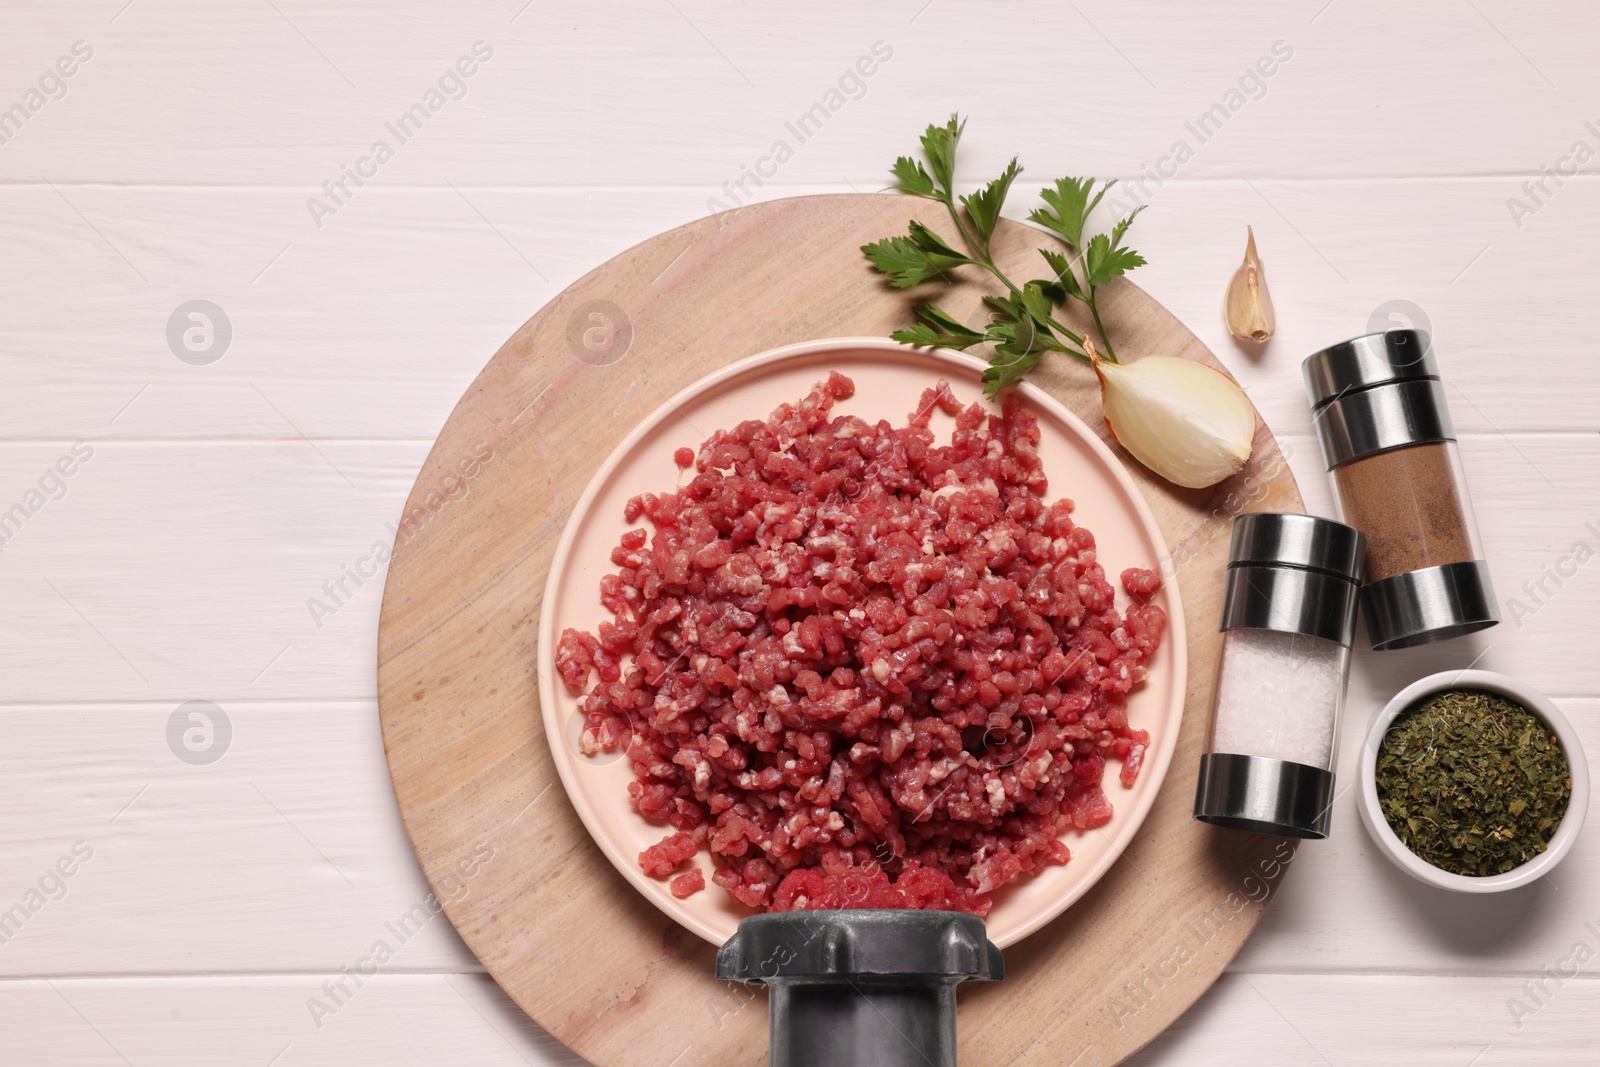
pixel 1288 618
pixel 1390 447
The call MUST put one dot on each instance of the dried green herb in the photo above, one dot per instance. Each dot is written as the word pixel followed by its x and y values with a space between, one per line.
pixel 1472 782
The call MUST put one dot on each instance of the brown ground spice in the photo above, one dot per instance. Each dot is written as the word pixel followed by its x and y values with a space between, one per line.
pixel 1406 502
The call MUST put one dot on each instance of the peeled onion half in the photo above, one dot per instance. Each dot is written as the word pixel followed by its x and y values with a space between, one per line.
pixel 1187 422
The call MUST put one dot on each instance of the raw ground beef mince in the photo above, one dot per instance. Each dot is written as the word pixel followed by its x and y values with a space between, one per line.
pixel 862 668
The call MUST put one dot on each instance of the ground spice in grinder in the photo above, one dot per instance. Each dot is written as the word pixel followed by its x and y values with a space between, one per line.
pixel 1388 442
pixel 1407 504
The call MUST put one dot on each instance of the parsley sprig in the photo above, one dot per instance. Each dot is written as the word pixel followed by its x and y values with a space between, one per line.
pixel 1023 324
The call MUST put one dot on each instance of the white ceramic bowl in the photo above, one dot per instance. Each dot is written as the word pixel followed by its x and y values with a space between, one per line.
pixel 1536 702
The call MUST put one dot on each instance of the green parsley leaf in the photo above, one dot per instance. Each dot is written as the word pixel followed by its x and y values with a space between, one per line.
pixel 1105 257
pixel 1037 303
pixel 1008 367
pixel 1023 325
pixel 1026 335
pixel 1122 226
pixel 938 329
pixel 1104 261
pixel 1066 280
pixel 939 145
pixel 911 177
pixel 983 206
pixel 1007 309
pixel 1069 205
pixel 907 263
pixel 931 242
pixel 921 335
pixel 1019 340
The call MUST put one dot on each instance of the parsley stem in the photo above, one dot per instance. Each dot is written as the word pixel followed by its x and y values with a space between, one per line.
pixel 979 248
pixel 1094 309
pixel 986 260
pixel 1076 339
pixel 1057 346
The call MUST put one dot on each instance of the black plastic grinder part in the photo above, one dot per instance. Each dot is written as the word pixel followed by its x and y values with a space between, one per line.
pixel 867 987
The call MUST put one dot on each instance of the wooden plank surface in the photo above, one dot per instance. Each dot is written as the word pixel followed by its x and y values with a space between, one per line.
pixel 387 351
pixel 399 1018
pixel 1378 165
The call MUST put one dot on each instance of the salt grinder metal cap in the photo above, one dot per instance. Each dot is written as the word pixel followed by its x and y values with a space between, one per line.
pixel 1293 573
pixel 861 987
pixel 1288 618
pixel 1388 441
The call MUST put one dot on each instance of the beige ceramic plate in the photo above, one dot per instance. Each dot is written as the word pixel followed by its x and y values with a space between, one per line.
pixel 889 380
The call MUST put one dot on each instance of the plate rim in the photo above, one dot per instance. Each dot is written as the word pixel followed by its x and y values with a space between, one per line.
pixel 1176 641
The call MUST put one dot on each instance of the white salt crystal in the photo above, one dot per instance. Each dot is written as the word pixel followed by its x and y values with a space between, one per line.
pixel 1278 696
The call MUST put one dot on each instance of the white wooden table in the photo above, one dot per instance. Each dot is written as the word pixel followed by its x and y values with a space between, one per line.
pixel 224 906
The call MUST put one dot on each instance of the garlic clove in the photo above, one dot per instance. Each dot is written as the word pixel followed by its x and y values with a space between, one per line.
pixel 1248 307
pixel 1187 422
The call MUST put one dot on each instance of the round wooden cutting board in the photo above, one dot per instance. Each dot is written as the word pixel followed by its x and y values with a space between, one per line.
pixel 565 935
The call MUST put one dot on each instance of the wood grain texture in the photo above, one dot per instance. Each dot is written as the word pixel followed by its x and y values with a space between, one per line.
pixel 204 843
pixel 364 330
pixel 563 934
pixel 1292 1020
pixel 622 93
pixel 1377 166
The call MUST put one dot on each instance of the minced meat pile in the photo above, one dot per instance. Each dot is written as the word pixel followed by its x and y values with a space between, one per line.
pixel 861 667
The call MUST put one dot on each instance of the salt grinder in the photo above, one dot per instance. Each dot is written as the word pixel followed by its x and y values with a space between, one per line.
pixel 1388 442
pixel 861 987
pixel 1288 619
